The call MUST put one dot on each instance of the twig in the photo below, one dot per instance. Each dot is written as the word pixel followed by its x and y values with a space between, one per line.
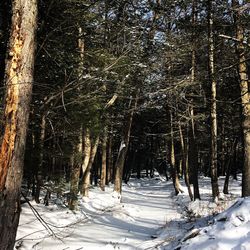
pixel 234 39
pixel 38 216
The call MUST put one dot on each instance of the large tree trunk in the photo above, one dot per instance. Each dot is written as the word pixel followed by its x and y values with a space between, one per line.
pixel 213 111
pixel 245 100
pixel 19 78
pixel 124 148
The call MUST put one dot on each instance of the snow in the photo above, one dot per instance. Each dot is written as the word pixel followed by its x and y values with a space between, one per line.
pixel 146 216
pixel 230 230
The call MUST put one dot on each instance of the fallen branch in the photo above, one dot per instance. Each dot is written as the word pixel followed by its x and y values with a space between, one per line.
pixel 40 219
pixel 234 39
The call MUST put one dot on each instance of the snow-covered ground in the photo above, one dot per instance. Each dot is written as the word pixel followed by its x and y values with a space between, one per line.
pixel 149 216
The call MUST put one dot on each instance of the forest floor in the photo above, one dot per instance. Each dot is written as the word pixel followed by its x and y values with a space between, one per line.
pixel 149 216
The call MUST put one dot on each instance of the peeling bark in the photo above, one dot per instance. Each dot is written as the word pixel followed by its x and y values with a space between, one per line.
pixel 18 79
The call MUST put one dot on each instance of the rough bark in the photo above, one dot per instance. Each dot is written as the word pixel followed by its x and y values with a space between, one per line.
pixel 245 100
pixel 18 79
pixel 213 111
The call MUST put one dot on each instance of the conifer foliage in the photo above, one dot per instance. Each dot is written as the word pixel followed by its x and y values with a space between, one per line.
pixel 120 88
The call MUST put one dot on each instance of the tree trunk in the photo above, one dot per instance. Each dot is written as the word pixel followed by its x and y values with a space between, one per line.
pixel 124 147
pixel 245 100
pixel 229 166
pixel 86 174
pixel 38 174
pixel 193 152
pixel 76 160
pixel 104 160
pixel 213 111
pixel 175 176
pixel 110 159
pixel 18 78
pixel 184 151
pixel 87 149
pixel 193 157
pixel 223 148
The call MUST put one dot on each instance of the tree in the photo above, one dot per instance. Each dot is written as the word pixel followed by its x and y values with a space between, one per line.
pixel 245 98
pixel 213 111
pixel 119 165
pixel 18 80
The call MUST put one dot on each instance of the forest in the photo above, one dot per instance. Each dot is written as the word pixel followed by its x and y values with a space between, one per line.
pixel 95 93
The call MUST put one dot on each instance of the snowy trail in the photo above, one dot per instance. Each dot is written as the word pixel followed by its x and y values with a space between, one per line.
pixel 148 218
pixel 146 207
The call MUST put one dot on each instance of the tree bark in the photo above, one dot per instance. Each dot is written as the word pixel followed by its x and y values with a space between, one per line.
pixel 184 151
pixel 110 175
pixel 104 159
pixel 213 111
pixel 87 149
pixel 18 79
pixel 193 157
pixel 229 166
pixel 86 173
pixel 76 160
pixel 38 173
pixel 245 100
pixel 193 152
pixel 175 176
pixel 124 147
